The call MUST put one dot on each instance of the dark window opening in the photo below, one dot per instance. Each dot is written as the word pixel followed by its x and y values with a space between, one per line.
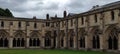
pixel 11 23
pixel 35 25
pixel 82 20
pixel 19 24
pixel 71 22
pixel 2 24
pixel 47 24
pixel 95 18
pixel 112 15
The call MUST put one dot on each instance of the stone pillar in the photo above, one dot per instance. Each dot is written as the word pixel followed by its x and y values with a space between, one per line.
pixel 87 42
pixel 10 42
pixel 102 43
pixel 119 42
pixel 65 42
pixel 52 42
pixel 57 42
pixel 43 43
pixel 75 42
pixel 27 42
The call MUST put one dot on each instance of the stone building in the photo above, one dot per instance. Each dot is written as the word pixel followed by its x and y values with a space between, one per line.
pixel 96 29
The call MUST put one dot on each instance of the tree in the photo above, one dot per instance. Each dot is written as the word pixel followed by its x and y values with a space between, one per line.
pixel 8 13
pixel 5 12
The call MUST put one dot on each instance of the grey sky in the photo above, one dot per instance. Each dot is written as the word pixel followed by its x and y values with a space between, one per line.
pixel 39 8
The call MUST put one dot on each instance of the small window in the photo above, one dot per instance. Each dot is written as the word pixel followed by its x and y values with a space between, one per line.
pixel 71 22
pixel 27 23
pixel 82 20
pixel 11 23
pixel 112 15
pixel 19 24
pixel 47 24
pixel 95 18
pixel 35 25
pixel 62 23
pixel 119 13
pixel 2 24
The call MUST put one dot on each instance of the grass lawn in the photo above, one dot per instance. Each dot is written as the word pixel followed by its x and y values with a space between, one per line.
pixel 37 51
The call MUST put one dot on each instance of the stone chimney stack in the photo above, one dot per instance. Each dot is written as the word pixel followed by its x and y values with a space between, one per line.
pixel 47 16
pixel 56 16
pixel 64 14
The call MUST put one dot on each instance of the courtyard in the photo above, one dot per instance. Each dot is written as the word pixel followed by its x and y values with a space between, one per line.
pixel 38 51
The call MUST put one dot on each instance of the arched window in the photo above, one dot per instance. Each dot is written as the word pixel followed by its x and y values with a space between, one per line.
pixel 34 39
pixel 113 40
pixel 96 39
pixel 18 40
pixel 3 39
pixel 47 41
pixel 71 42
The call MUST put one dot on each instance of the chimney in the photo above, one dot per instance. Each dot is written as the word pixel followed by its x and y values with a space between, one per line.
pixel 64 14
pixel 34 17
pixel 47 16
pixel 56 16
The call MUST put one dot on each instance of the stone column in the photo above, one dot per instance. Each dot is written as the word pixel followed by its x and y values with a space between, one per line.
pixel 119 42
pixel 27 42
pixel 57 42
pixel 87 42
pixel 52 42
pixel 65 42
pixel 75 42
pixel 43 43
pixel 102 43
pixel 10 42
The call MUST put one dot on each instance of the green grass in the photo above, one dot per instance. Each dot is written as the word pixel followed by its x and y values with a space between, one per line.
pixel 37 51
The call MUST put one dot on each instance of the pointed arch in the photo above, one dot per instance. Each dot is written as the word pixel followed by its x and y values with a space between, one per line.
pixel 34 40
pixel 96 39
pixel 62 38
pixel 3 38
pixel 112 37
pixel 81 38
pixel 71 36
pixel 47 39
pixel 19 39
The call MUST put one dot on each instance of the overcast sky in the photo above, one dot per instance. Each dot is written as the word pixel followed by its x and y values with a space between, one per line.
pixel 39 8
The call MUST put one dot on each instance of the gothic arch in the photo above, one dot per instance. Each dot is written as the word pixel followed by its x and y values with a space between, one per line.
pixel 3 38
pixel 81 38
pixel 71 36
pixel 19 39
pixel 47 39
pixel 95 37
pixel 111 37
pixel 34 40
pixel 62 38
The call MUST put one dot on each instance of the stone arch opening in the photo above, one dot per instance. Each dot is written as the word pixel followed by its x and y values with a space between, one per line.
pixel 34 40
pixel 47 39
pixel 96 39
pixel 81 38
pixel 113 39
pixel 71 38
pixel 62 36
pixel 19 39
pixel 3 38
